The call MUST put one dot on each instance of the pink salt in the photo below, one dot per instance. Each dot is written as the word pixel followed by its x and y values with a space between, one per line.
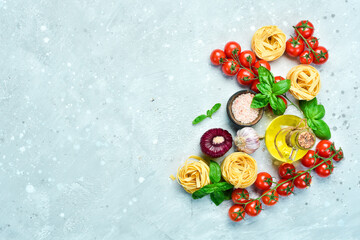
pixel 241 108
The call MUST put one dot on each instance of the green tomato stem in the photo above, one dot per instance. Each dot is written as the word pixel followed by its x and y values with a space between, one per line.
pixel 309 47
pixel 291 102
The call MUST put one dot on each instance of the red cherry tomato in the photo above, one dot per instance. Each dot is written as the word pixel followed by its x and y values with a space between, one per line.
pixel 236 213
pixel 325 169
pixel 325 148
pixel 339 156
pixel 247 58
pixel 259 63
pixel 217 57
pixel 278 79
pixel 270 198
pixel 286 171
pixel 240 196
pixel 306 57
pixel 253 208
pixel 285 189
pixel 282 98
pixel 232 49
pixel 263 181
pixel 230 68
pixel 245 77
pixel 254 87
pixel 305 28
pixel 308 159
pixel 294 46
pixel 321 55
pixel 302 181
pixel 313 42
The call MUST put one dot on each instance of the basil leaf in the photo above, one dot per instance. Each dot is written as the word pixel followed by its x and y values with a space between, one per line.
pixel 265 76
pixel 303 106
pixel 215 172
pixel 220 186
pixel 217 197
pixel 317 112
pixel 311 124
pixel 199 119
pixel 308 107
pixel 273 102
pixel 264 88
pixel 281 87
pixel 215 108
pixel 281 107
pixel 228 194
pixel 322 130
pixel 259 101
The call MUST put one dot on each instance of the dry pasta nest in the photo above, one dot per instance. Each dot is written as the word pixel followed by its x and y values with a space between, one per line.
pixel 239 169
pixel 305 82
pixel 269 43
pixel 194 174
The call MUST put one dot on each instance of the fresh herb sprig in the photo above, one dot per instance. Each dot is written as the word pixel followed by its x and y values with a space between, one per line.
pixel 314 113
pixel 219 191
pixel 209 114
pixel 269 92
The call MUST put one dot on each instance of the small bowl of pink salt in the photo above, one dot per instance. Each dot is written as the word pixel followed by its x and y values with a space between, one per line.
pixel 239 110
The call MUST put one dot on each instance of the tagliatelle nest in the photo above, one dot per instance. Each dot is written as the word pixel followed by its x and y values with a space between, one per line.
pixel 305 82
pixel 269 43
pixel 239 169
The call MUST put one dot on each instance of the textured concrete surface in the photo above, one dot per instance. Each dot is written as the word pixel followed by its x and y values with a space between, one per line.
pixel 96 103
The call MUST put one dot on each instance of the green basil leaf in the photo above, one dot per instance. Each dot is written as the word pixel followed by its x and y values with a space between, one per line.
pixel 317 112
pixel 281 87
pixel 273 102
pixel 265 76
pixel 308 107
pixel 322 130
pixel 217 197
pixel 220 186
pixel 199 119
pixel 303 106
pixel 281 107
pixel 259 101
pixel 264 88
pixel 215 172
pixel 228 194
pixel 311 124
pixel 215 108
pixel 208 113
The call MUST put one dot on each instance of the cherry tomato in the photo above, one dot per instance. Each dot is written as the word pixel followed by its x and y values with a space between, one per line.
pixel 259 63
pixel 247 58
pixel 245 77
pixel 237 213
pixel 253 208
pixel 240 196
pixel 339 156
pixel 278 79
pixel 270 198
pixel 254 87
pixel 286 170
pixel 308 159
pixel 294 46
pixel 305 28
pixel 231 67
pixel 313 42
pixel 306 57
pixel 325 148
pixel 285 189
pixel 302 181
pixel 282 98
pixel 217 57
pixel 325 169
pixel 263 181
pixel 232 49
pixel 321 55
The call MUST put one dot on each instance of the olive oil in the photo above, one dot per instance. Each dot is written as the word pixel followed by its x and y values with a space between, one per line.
pixel 291 136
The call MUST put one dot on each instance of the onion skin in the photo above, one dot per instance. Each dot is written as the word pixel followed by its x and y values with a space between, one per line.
pixel 247 140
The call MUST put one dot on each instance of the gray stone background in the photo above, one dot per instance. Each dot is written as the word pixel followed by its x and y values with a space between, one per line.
pixel 96 103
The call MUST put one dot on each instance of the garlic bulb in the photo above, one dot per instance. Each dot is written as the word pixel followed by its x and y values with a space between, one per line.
pixel 247 140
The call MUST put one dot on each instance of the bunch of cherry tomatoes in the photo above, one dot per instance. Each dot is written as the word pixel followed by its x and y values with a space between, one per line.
pixel 242 64
pixel 289 179
pixel 305 46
